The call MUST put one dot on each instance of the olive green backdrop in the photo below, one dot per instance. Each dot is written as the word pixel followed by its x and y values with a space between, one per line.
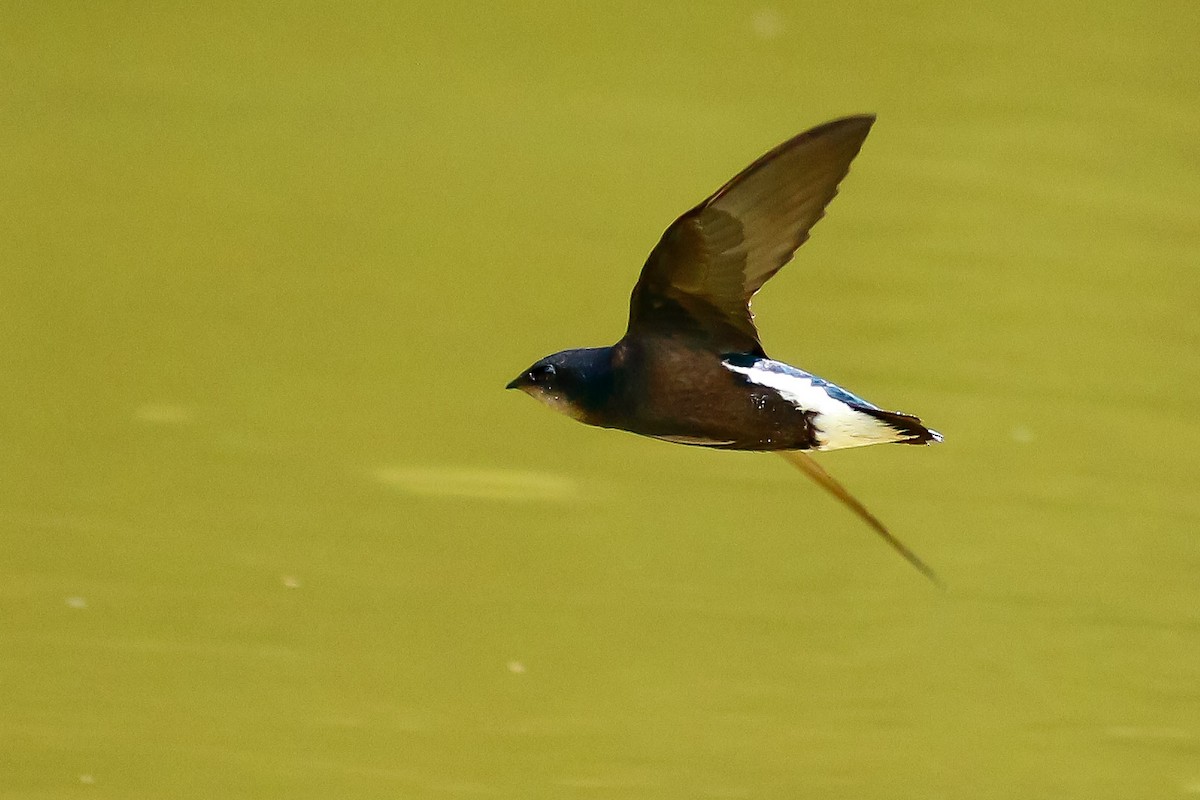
pixel 270 527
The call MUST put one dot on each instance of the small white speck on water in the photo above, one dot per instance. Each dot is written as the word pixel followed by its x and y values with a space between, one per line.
pixel 767 23
pixel 163 414
pixel 87 780
pixel 290 581
pixel 1021 435
pixel 516 668
pixel 76 602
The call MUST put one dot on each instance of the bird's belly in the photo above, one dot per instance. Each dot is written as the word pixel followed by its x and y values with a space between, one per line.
pixel 734 420
pixel 677 393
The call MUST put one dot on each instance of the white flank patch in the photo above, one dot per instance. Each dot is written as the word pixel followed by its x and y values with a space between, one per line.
pixel 838 425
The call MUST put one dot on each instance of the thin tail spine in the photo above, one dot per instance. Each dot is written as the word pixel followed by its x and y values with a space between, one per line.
pixel 908 426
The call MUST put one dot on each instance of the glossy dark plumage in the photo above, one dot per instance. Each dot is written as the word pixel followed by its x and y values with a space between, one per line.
pixel 690 367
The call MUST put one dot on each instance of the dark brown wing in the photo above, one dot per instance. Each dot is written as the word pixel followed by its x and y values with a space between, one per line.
pixel 710 262
pixel 808 465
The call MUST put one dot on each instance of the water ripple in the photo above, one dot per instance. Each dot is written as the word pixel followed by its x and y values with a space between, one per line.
pixel 487 484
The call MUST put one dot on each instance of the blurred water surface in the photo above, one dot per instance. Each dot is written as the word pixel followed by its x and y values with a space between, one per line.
pixel 272 527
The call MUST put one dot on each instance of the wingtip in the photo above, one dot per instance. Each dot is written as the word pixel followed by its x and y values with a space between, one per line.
pixel 866 119
pixel 851 130
pixel 848 122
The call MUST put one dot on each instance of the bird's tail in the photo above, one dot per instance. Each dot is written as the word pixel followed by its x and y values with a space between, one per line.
pixel 909 428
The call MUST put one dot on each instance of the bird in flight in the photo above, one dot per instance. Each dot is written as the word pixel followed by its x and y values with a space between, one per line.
pixel 691 369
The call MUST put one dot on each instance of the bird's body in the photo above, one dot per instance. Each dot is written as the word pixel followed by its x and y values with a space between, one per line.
pixel 690 368
pixel 666 388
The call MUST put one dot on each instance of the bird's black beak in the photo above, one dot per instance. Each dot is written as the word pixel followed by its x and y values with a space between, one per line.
pixel 518 382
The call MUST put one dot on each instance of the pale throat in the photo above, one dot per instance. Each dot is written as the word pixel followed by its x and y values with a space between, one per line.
pixel 556 401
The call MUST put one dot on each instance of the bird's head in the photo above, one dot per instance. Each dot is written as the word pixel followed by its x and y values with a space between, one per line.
pixel 573 382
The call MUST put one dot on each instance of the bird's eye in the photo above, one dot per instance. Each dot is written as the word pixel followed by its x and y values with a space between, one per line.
pixel 545 371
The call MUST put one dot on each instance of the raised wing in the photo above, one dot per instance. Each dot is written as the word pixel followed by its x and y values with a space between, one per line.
pixel 700 277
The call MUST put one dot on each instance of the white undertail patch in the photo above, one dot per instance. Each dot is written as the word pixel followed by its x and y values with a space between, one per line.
pixel 838 424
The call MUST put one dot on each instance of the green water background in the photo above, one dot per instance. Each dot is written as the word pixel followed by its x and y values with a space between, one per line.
pixel 271 528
